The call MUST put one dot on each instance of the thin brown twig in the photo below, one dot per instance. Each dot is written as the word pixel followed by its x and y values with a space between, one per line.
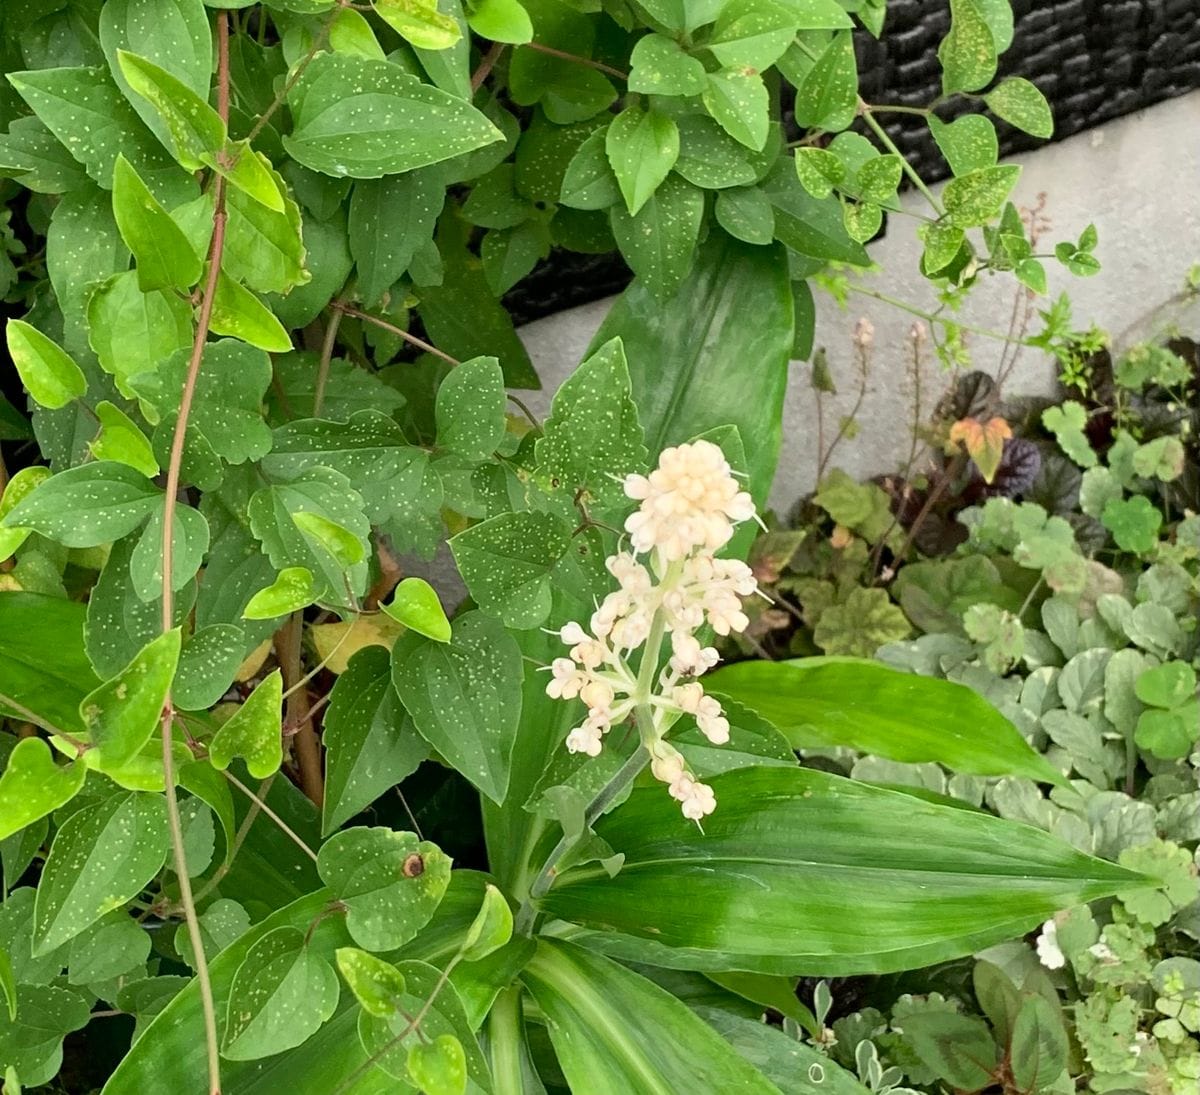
pixel 399 332
pixel 330 340
pixel 562 55
pixel 305 744
pixel 317 44
pixel 77 744
pixel 486 64
pixel 261 804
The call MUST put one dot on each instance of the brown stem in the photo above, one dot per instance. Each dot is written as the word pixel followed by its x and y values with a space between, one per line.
pixel 79 746
pixel 486 64
pixel 399 332
pixel 331 331
pixel 262 805
pixel 239 837
pixel 297 72
pixel 562 55
pixel 305 744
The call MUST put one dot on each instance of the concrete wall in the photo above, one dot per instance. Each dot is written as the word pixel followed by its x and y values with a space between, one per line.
pixel 1137 179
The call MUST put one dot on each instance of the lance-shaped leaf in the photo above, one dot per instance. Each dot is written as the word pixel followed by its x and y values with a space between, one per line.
pixel 101 857
pixel 464 696
pixel 253 731
pixel 33 786
pixel 165 259
pixel 365 118
pixel 282 992
pixel 238 312
pixel 858 704
pixel 613 1030
pixel 390 882
pixel 798 871
pixel 507 562
pixel 123 713
pixel 642 147
pixel 48 372
pixel 194 130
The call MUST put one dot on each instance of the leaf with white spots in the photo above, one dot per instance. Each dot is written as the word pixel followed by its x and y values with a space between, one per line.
pixel 739 103
pixel 1021 104
pixel 33 785
pixel 377 985
pixel 507 562
pixel 121 439
pixel 32 1046
pixel 223 922
pixel 103 856
pixel 48 372
pixel 371 743
pixel 642 147
pixel 238 312
pixel 968 53
pixel 207 664
pixel 194 131
pixel 390 220
pixel 465 697
pixel 968 143
pixel 164 257
pixel 470 409
pixel 123 713
pixel 659 243
pixel 659 66
pixel 189 542
pixel 253 731
pixel 281 994
pixel 111 947
pixel 593 438
pixel 364 118
pixel 752 34
pixel 86 506
pixel 292 590
pixel 390 882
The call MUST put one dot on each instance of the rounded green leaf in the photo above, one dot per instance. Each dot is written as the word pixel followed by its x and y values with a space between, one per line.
pixel 292 590
pixel 20 485
pixel 377 985
pixel 739 103
pixel 439 1067
pixel 253 731
pixel 33 785
pixel 978 196
pixel 659 66
pixel 342 544
pixel 48 372
pixel 415 604
pixel 469 408
pixel 968 143
pixel 1166 685
pixel 1020 103
pixel 121 439
pixel 501 21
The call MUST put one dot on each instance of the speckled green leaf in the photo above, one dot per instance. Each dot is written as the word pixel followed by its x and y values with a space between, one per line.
pixel 115 945
pixel 363 118
pixel 164 257
pixel 292 590
pixel 968 53
pixel 416 605
pixel 659 243
pixel 642 147
pixel 589 182
pixel 746 213
pixel 390 882
pixel 33 785
pixel 469 410
pixel 419 22
pixel 189 541
pixel 238 312
pixel 464 697
pixel 659 66
pixel 390 220
pixel 969 143
pixel 709 157
pixel 121 439
pixel 335 540
pixel 752 34
pixel 207 663
pixel 123 713
pixel 377 985
pixel 827 97
pixel 819 171
pixel 194 131
pixel 507 562
pixel 18 487
pixel 977 197
pixel 264 247
pixel 282 992
pixel 101 857
pixel 1020 103
pixel 942 244
pixel 31 1047
pixel 48 372
pixel 862 220
pixel 253 731
pixel 739 102
pixel 593 436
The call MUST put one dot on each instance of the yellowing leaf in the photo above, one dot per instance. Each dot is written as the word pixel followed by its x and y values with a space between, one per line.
pixel 337 643
pixel 984 442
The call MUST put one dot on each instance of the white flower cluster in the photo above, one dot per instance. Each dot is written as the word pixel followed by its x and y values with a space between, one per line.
pixel 689 506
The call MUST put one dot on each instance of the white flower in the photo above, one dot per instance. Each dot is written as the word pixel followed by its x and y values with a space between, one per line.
pixel 566 680
pixel 696 799
pixel 585 739
pixel 1048 951
pixel 1102 951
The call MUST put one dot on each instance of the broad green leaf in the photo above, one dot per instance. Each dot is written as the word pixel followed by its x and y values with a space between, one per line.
pixel 507 564
pixel 1169 734
pixel 238 312
pixel 879 177
pixel 942 245
pixel 30 152
pixel 827 97
pixel 819 171
pixel 799 871
pixel 47 371
pixel 959 1049
pixel 415 604
pixel 501 21
pixel 292 590
pixel 589 182
pixel 364 119
pixel 494 202
pixel 390 882
pixel 863 705
pixel 463 697
pixel 1020 103
pixel 509 254
pixel 752 34
pixel 115 945
pixel 194 130
pixel 862 220
pixel 335 540
pixel 264 247
pixel 710 158
pixel 31 1046
pixel 1067 423
pixel 164 257
pixel 207 664
pixel 1039 1044
pixel 250 173
pixel 738 101
pixel 1134 522
pixel 968 143
pixel 33 786
pixel 102 856
pixel 812 227
pixel 613 1030
pixel 121 439
pixel 281 993
pixel 979 196
pixel 419 22
pixel 491 929
pixel 123 713
pixel 8 984
pixel 438 1067
pixel 642 147
pixel 390 220
pixel 134 332
pixel 659 243
pixel 189 543
pixel 1167 685
pixel 592 438
pixel 469 410
pixel 370 742
pixel 377 985
pixel 968 53
pixel 746 214
pixel 43 666
pixel 659 66
pixel 88 505
pixel 253 731
pixel 220 924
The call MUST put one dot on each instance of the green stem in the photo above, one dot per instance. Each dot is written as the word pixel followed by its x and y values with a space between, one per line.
pixel 865 110
pixel 504 1042
pixel 889 108
pixel 933 317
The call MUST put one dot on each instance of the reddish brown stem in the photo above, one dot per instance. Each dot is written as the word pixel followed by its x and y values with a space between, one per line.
pixel 399 332
pixel 562 55
pixel 486 64
pixel 305 744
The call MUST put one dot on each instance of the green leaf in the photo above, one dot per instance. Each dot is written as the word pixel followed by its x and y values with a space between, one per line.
pixel 659 66
pixel 862 220
pixel 207 664
pixel 589 182
pixel 968 54
pixel 959 1049
pixel 613 1030
pixel 709 157
pixel 1067 422
pixel 113 946
pixel 33 786
pixel 31 1047
pixel 238 312
pixel 281 993
pixel 799 871
pixel 827 97
pixel 253 731
pixel 469 410
pixel 1039 1045
pixel 264 247
pixel 1020 103
pixel 292 590
pixel 659 243
pixel 968 143
pixel 822 703
pixel 194 130
pixel 377 985
pixel 739 103
pixel 165 259
pixel 415 604
pixel 419 22
pixel 464 697
pixel 390 882
pixel 812 227
pixel 491 929
pixel 371 744
pixel 439 1067
pixel 879 177
pixel 1169 734
pixel 338 542
pixel 102 856
pixel 365 119
pixel 1167 685
pixel 18 487
pixel 746 214
pixel 942 245
pixel 592 438
pixel 819 171
pixel 501 21
pixel 1134 522
pixel 221 924
pixel 642 147
pixel 978 196
pixel 47 371
pixel 123 713
pixel 89 505
pixel 752 35
pixel 390 220
pixel 121 439
pixel 507 564
pixel 189 540
pixel 1162 458
pixel 251 175
pixel 30 152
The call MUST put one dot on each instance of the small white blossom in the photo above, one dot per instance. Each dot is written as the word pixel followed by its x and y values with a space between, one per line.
pixel 1048 951
pixel 1102 951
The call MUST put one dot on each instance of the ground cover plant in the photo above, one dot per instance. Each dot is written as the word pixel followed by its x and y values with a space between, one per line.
pixel 270 817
